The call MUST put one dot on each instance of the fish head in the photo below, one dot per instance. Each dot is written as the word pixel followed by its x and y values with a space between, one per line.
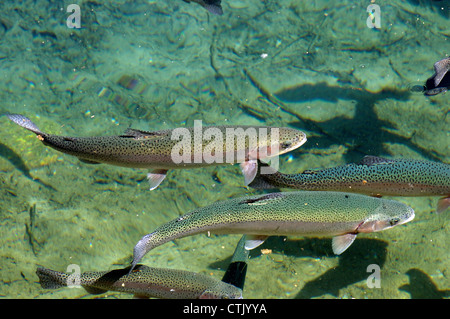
pixel 388 214
pixel 274 141
pixel 289 139
pixel 222 291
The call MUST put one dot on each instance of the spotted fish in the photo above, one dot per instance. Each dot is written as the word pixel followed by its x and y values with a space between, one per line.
pixel 373 175
pixel 339 215
pixel 176 148
pixel 144 281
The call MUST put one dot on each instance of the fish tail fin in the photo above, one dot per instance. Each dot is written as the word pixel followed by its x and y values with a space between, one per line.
pixel 237 269
pixel 51 279
pixel 443 204
pixel 25 122
pixel 139 251
pixel 440 67
pixel 260 181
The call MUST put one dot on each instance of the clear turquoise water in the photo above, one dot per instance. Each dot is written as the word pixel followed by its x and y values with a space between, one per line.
pixel 310 65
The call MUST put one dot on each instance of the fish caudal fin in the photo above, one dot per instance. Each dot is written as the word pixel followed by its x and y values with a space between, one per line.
pixel 443 204
pixel 50 279
pixel 139 251
pixel 25 122
pixel 259 181
pixel 156 177
pixel 441 68
pixel 341 243
pixel 237 269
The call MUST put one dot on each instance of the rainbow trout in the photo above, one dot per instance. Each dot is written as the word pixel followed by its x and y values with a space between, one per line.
pixel 336 214
pixel 374 176
pixel 144 281
pixel 176 148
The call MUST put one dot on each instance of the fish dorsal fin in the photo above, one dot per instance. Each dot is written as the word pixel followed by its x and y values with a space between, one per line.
pixel 373 160
pixel 138 134
pixel 263 199
pixel 253 241
pixel 259 181
pixel 441 68
pixel 342 242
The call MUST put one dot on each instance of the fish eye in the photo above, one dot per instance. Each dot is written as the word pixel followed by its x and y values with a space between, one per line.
pixel 394 221
pixel 286 144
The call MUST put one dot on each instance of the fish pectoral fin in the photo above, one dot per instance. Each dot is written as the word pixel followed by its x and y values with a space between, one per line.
pixel 342 242
pixel 253 241
pixel 249 169
pixel 443 204
pixel 156 177
pixel 88 161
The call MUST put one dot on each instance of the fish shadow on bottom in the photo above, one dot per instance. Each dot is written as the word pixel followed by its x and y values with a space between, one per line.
pixel 352 267
pixel 11 156
pixel 421 286
pixel 368 134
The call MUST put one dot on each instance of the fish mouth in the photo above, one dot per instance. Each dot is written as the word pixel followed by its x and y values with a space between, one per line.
pixel 409 217
pixel 296 143
pixel 301 141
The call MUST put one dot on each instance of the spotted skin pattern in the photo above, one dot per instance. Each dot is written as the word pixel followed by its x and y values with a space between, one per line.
pixel 146 281
pixel 141 149
pixel 374 176
pixel 292 213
